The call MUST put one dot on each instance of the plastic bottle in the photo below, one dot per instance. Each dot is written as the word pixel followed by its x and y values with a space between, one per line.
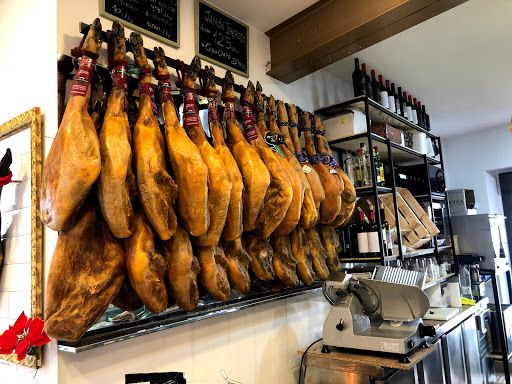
pixel 465 282
pixel 349 168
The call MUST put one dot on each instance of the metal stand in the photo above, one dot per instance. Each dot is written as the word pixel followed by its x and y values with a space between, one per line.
pixel 499 318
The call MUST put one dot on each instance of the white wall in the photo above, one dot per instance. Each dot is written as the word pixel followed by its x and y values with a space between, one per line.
pixel 29 79
pixel 472 161
pixel 256 345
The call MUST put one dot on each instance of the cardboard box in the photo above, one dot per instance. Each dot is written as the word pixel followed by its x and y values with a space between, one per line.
pixel 343 125
pixel 419 211
pixel 364 204
pixel 461 201
pixel 388 132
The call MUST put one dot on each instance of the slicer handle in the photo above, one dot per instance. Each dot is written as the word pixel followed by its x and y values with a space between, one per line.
pixel 427 330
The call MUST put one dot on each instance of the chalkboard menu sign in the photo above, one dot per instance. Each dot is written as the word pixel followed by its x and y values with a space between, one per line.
pixel 159 19
pixel 221 39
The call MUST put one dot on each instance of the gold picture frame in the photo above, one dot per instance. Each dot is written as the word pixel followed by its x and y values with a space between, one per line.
pixel 31 119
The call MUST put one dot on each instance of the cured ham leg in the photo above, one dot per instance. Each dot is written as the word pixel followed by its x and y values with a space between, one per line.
pixel 331 243
pixel 309 215
pixel 73 163
pixel 261 253
pixel 314 193
pixel 188 168
pixel 183 270
pixel 156 187
pixel 279 193
pixel 213 275
pixel 302 253
pixel 86 273
pixel 116 183
pixel 331 181
pixel 233 227
pixel 285 264
pixel 219 183
pixel 312 176
pixel 255 174
pixel 319 254
pixel 64 68
pixel 348 195
pixel 146 266
pixel 238 265
pixel 284 156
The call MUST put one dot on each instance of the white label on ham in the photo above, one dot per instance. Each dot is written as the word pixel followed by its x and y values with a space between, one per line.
pixel 333 171
pixel 306 169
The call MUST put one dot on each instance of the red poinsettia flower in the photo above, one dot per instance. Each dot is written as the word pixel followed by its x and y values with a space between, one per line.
pixel 25 332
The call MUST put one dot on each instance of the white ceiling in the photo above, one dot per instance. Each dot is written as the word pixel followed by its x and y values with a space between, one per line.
pixel 263 14
pixel 459 64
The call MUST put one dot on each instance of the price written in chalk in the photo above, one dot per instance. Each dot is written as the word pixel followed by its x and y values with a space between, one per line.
pixel 156 18
pixel 221 39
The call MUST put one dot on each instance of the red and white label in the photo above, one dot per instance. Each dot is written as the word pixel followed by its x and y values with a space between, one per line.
pixel 190 113
pixel 230 111
pixel 149 89
pixel 249 124
pixel 213 114
pixel 119 77
pixel 164 87
pixel 83 77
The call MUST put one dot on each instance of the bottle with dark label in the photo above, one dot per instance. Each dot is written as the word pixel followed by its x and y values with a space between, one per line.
pixel 379 168
pixel 386 231
pixel 384 101
pixel 375 88
pixel 362 235
pixel 398 108
pixel 408 107
pixel 427 118
pixel 358 80
pixel 372 230
pixel 421 119
pixel 401 100
pixel 367 82
pixel 350 240
pixel 391 97
pixel 414 111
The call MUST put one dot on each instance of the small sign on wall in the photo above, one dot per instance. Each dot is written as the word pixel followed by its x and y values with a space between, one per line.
pixel 221 39
pixel 159 19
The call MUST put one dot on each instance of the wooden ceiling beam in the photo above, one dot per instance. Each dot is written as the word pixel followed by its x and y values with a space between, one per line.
pixel 331 30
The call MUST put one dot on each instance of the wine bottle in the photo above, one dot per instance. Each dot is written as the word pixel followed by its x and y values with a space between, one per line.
pixel 358 81
pixel 367 82
pixel 350 240
pixel 384 101
pixel 362 235
pixel 365 166
pixel 403 111
pixel 421 118
pixel 386 231
pixel 379 168
pixel 427 118
pixel 391 97
pixel 414 112
pixel 398 108
pixel 373 235
pixel 408 107
pixel 375 88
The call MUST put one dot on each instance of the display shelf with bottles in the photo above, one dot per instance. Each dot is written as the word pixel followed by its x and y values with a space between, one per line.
pixel 393 157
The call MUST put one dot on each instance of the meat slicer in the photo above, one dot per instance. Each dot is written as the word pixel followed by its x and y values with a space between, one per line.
pixel 379 314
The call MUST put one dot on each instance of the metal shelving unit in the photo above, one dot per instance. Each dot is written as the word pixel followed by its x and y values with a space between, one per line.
pixel 394 155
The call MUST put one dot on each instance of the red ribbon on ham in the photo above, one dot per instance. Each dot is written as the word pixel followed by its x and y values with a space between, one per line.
pixel 5 180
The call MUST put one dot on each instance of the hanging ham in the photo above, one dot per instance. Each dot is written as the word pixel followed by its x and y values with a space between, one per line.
pixel 156 187
pixel 183 270
pixel 274 141
pixel 213 275
pixel 331 243
pixel 261 253
pixel 255 174
pixel 331 181
pixel 279 193
pixel 302 253
pixel 319 253
pixel 73 163
pixel 188 168
pixel 348 195
pixel 116 183
pixel 86 273
pixel 285 264
pixel 219 181
pixel 146 266
pixel 233 227
pixel 238 265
